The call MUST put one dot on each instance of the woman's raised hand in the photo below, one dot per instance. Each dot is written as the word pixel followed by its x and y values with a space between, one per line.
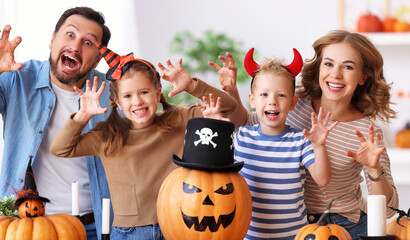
pixel 369 151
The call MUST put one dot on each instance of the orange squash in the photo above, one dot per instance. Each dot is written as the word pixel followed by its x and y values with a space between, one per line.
pixel 388 24
pixel 53 227
pixel 403 137
pixel 401 26
pixel 31 208
pixel 369 23
pixel 400 227
pixel 321 230
pixel 195 204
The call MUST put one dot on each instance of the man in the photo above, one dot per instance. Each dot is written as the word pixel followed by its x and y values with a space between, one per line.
pixel 36 98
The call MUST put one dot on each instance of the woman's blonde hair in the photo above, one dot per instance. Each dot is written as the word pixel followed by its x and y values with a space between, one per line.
pixel 115 130
pixel 373 97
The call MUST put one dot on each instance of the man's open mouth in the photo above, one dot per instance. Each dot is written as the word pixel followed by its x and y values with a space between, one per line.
pixel 70 62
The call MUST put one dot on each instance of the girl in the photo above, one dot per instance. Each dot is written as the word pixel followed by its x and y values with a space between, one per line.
pixel 136 151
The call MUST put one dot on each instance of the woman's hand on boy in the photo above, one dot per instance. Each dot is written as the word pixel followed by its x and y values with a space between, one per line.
pixel 178 77
pixel 90 101
pixel 369 151
pixel 319 131
pixel 7 62
pixel 227 73
pixel 211 110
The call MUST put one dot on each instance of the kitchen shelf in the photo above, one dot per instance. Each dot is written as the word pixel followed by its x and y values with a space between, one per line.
pixel 389 39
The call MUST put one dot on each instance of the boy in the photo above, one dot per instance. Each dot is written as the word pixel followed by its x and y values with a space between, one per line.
pixel 276 155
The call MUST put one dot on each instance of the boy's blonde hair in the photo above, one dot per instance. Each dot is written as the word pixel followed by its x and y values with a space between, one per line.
pixel 274 67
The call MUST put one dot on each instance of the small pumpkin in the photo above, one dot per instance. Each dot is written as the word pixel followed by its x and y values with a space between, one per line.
pixel 321 230
pixel 401 26
pixel 33 224
pixel 195 204
pixel 400 227
pixel 388 24
pixel 369 23
pixel 31 208
pixel 403 137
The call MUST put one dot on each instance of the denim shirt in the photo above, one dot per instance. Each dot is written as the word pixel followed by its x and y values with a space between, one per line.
pixel 27 102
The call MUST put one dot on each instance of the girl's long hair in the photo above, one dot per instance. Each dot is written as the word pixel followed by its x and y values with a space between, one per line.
pixel 115 130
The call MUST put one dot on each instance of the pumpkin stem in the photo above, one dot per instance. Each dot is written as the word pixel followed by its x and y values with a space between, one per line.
pixel 401 214
pixel 322 219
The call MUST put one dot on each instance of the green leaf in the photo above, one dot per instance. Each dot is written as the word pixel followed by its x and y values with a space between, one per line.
pixel 7 207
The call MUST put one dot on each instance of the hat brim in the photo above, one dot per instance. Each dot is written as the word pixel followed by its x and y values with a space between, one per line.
pixel 22 199
pixel 235 167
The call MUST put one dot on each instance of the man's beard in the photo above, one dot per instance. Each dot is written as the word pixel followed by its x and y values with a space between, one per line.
pixel 61 78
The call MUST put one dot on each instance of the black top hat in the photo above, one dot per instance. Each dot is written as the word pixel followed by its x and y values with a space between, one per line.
pixel 208 146
pixel 29 190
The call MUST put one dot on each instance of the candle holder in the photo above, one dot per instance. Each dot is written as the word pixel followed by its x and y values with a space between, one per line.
pixel 388 237
pixel 105 236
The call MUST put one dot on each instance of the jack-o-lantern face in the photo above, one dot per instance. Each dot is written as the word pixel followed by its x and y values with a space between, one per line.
pixel 327 232
pixel 209 221
pixel 194 204
pixel 31 208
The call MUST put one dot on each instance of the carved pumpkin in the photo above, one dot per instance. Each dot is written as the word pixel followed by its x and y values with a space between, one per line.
pixel 31 208
pixel 195 204
pixel 33 224
pixel 57 226
pixel 321 230
pixel 403 137
pixel 400 227
pixel 369 23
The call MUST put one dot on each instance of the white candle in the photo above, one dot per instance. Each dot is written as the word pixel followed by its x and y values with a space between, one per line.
pixel 376 215
pixel 106 216
pixel 74 199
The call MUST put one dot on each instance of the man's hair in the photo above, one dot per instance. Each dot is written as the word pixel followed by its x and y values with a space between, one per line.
pixel 88 13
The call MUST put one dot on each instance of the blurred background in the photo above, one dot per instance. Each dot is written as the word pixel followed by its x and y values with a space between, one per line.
pixel 198 31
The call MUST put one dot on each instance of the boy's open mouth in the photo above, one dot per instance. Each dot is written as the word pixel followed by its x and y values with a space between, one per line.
pixel 271 114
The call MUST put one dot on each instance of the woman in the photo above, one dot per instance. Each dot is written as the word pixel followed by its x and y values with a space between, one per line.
pixel 345 77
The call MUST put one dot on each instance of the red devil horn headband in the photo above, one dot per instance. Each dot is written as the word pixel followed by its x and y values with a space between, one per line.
pixel 250 65
pixel 295 67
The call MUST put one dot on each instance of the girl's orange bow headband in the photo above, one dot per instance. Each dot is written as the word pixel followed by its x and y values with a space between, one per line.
pixel 118 64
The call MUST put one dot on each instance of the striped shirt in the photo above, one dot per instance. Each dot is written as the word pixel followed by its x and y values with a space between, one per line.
pixel 274 168
pixel 346 172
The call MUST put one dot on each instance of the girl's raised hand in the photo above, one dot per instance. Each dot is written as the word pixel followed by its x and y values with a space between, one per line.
pixel 369 151
pixel 90 99
pixel 211 110
pixel 7 48
pixel 227 73
pixel 319 131
pixel 177 77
